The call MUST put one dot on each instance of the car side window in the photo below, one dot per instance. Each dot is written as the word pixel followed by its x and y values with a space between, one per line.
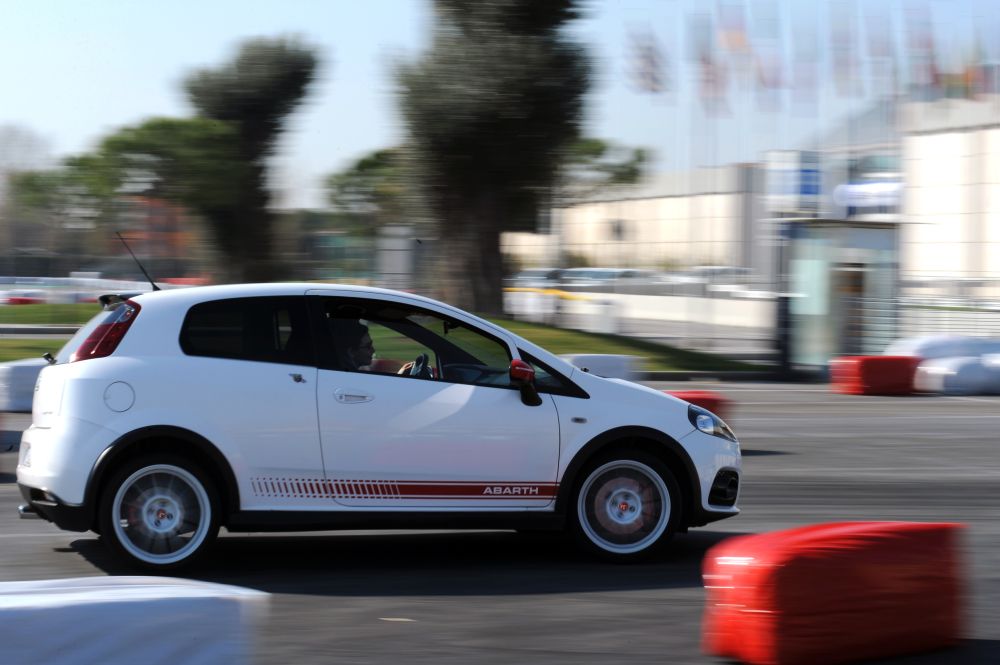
pixel 268 329
pixel 548 380
pixel 397 339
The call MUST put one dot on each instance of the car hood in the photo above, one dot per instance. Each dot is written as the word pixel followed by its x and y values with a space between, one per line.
pixel 658 407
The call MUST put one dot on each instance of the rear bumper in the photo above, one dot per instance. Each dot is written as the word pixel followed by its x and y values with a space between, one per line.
pixel 49 507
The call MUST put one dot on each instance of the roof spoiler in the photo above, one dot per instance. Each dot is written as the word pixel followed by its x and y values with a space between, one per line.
pixel 110 301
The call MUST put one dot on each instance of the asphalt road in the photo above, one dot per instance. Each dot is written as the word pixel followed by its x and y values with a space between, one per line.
pixel 503 597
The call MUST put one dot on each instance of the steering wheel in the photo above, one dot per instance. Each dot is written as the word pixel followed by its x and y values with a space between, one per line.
pixel 420 367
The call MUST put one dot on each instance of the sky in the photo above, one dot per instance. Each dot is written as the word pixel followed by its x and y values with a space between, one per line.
pixel 75 71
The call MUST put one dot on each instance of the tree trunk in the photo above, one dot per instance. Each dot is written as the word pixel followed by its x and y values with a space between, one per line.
pixel 470 260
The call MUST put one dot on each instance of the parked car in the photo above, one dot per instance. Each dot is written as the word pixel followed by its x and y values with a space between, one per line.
pixel 286 407
pixel 538 278
pixel 719 274
pixel 607 276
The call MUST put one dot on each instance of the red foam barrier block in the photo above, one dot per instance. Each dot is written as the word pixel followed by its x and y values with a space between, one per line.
pixel 873 375
pixel 833 593
pixel 706 399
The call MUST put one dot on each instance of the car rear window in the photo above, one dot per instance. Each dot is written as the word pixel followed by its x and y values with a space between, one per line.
pixel 270 329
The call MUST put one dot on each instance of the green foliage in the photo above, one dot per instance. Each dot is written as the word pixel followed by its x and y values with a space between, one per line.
pixel 49 313
pixel 194 161
pixel 256 91
pixel 20 349
pixel 493 102
pixel 371 192
pixel 214 164
pixel 35 189
pixel 591 165
pixel 655 357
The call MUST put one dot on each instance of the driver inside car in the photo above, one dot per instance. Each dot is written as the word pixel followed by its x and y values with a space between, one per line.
pixel 356 352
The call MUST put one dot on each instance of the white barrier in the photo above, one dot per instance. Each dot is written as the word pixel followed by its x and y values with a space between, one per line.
pixel 967 375
pixel 943 346
pixel 112 620
pixel 535 306
pixel 17 383
pixel 603 312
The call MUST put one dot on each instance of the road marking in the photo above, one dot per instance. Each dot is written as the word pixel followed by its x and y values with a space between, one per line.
pixel 397 619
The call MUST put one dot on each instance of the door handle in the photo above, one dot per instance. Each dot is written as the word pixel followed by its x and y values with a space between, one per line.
pixel 352 396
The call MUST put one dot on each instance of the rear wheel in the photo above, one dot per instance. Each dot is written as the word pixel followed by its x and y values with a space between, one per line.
pixel 627 506
pixel 159 512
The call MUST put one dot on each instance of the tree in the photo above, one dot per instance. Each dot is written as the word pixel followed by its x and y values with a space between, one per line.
pixel 489 109
pixel 371 192
pixel 591 166
pixel 193 161
pixel 253 95
pixel 22 149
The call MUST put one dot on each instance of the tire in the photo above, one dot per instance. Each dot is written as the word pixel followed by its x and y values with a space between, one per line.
pixel 626 506
pixel 159 512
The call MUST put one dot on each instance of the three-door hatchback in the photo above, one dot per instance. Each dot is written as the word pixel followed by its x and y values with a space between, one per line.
pixel 290 407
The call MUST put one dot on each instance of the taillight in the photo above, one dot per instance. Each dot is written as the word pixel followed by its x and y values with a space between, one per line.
pixel 108 334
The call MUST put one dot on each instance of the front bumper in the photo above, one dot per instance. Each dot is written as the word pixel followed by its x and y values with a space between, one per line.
pixel 49 507
pixel 719 466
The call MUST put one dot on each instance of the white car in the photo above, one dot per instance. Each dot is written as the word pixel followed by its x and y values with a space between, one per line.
pixel 262 408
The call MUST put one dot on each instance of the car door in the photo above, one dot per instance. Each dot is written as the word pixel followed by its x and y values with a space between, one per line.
pixel 248 373
pixel 453 434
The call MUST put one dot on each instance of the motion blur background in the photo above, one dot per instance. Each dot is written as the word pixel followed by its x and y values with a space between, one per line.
pixel 777 181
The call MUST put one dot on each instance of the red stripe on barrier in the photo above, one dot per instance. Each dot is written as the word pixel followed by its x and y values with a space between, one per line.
pixel 873 375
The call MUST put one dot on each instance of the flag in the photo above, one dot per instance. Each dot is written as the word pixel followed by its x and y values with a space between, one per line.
pixel 924 76
pixel 649 63
pixel 733 29
pixel 844 50
pixel 881 49
pixel 768 55
pixel 734 40
pixel 805 63
pixel 713 83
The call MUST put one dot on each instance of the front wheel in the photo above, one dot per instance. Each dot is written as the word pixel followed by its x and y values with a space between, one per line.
pixel 159 512
pixel 626 507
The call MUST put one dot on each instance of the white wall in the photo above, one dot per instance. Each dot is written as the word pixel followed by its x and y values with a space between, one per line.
pixel 702 229
pixel 952 197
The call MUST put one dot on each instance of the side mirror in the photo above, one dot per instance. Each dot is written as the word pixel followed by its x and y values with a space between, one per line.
pixel 522 375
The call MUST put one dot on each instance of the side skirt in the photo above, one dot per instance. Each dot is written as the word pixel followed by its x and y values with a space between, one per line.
pixel 276 521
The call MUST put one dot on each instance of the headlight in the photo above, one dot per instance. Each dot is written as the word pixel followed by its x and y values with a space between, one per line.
pixel 709 423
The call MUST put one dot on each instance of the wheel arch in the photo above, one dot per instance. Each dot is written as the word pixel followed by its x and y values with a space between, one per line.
pixel 651 441
pixel 173 440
